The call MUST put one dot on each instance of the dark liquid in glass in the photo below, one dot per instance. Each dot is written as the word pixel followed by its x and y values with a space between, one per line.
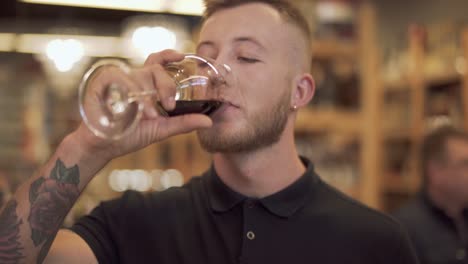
pixel 206 107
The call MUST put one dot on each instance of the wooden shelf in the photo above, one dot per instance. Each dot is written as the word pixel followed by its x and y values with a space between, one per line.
pixel 429 81
pixel 397 135
pixel 325 49
pixel 317 120
pixel 443 78
pixel 398 184
pixel 397 86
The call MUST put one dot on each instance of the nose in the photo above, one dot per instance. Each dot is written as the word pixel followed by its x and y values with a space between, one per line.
pixel 224 69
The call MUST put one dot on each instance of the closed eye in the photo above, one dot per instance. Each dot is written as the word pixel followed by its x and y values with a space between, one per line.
pixel 247 60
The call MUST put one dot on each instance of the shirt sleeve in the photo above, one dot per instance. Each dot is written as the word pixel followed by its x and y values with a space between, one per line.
pixel 111 225
pixel 95 231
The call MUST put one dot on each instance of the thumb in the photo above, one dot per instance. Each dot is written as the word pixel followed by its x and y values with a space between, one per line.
pixel 167 127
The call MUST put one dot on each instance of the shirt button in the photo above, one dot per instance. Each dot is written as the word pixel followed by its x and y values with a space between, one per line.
pixel 460 254
pixel 251 235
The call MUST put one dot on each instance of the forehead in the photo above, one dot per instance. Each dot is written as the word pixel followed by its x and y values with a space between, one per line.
pixel 256 20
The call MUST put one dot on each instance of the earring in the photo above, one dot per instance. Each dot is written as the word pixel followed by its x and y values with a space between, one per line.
pixel 294 107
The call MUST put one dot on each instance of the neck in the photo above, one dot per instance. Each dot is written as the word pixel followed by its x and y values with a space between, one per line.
pixel 261 172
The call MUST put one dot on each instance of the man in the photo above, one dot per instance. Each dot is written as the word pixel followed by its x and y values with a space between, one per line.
pixel 437 219
pixel 259 203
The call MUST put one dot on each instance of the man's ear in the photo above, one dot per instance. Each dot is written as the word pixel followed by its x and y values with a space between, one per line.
pixel 304 90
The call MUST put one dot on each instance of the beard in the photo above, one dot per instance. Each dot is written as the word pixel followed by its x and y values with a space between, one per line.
pixel 263 129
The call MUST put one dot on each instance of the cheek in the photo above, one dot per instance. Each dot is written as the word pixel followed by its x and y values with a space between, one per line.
pixel 440 182
pixel 253 85
pixel 462 181
pixel 260 85
pixel 454 183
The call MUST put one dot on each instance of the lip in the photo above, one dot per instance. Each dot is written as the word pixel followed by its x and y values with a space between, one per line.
pixel 229 102
pixel 226 105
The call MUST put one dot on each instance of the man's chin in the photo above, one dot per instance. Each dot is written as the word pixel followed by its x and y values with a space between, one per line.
pixel 215 140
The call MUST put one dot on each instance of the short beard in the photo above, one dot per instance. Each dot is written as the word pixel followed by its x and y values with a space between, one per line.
pixel 262 130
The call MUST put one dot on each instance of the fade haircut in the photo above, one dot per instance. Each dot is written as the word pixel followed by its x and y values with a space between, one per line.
pixel 287 11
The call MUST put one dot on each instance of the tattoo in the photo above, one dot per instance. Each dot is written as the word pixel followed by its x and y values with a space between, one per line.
pixel 51 198
pixel 44 250
pixel 10 247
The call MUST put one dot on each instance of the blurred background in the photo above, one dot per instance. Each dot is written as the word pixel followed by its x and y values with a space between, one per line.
pixel 386 73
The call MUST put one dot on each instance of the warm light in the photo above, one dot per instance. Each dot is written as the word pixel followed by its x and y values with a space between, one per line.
pixel 148 40
pixel 189 7
pixel 334 11
pixel 172 178
pixel 7 41
pixel 156 179
pixel 117 180
pixel 95 46
pixel 139 180
pixel 64 53
pixel 146 34
pixel 142 181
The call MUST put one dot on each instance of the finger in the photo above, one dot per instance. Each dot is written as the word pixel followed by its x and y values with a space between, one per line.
pixel 165 86
pixel 144 79
pixel 164 57
pixel 113 76
pixel 167 127
pixel 98 85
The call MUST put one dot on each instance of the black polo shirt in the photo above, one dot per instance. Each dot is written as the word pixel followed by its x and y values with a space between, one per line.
pixel 436 238
pixel 206 222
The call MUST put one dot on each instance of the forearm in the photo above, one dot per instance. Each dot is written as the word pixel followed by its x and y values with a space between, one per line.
pixel 31 218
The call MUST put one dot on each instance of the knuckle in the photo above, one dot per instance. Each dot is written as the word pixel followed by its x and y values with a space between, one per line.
pixel 151 58
pixel 166 52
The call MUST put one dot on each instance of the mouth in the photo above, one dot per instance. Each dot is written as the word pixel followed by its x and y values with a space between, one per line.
pixel 226 102
pixel 224 105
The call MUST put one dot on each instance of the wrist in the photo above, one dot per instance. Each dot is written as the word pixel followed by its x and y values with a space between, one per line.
pixel 74 150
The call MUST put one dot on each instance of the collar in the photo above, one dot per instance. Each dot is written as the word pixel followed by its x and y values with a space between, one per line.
pixel 283 203
pixel 439 213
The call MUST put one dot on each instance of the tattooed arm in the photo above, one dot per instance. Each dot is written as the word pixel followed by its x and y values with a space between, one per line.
pixel 30 220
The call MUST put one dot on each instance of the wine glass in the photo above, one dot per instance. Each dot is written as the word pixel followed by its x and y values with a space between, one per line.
pixel 113 110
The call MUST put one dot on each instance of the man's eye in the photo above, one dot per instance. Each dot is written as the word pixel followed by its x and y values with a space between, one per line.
pixel 202 65
pixel 247 60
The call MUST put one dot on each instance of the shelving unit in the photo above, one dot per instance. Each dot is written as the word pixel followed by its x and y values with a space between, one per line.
pixel 355 125
pixel 407 181
pixel 323 49
pixel 334 120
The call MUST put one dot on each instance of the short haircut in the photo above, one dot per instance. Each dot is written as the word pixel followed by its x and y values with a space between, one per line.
pixel 287 11
pixel 434 146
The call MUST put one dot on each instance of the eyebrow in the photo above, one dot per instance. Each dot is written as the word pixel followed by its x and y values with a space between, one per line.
pixel 204 43
pixel 236 40
pixel 249 40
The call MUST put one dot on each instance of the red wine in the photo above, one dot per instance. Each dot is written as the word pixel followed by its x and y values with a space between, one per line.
pixel 206 107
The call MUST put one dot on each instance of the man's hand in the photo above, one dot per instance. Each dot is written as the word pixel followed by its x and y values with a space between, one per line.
pixel 152 127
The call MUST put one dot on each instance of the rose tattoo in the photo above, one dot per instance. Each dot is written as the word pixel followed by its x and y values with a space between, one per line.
pixel 51 198
pixel 10 248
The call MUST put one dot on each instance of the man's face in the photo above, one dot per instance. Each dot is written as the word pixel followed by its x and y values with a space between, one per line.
pixel 257 44
pixel 452 179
